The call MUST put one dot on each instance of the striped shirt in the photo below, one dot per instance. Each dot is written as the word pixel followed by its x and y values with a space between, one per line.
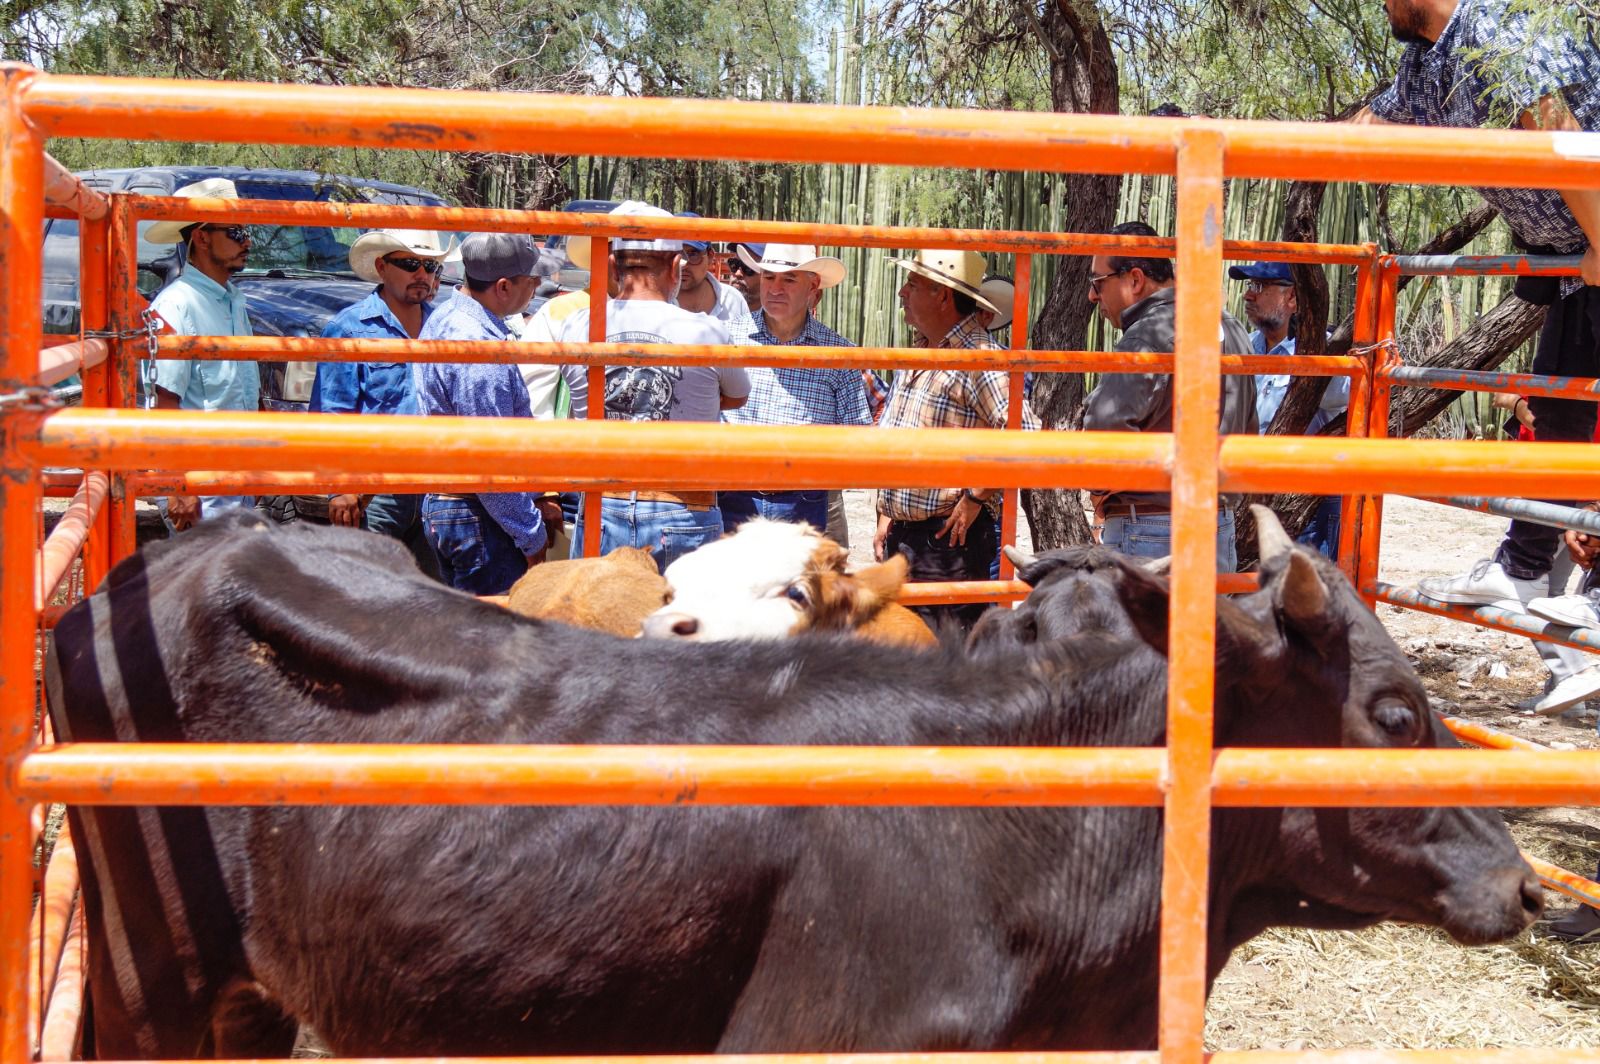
pixel 947 398
pixel 786 396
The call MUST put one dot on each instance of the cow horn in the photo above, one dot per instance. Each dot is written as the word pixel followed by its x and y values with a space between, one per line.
pixel 1018 558
pixel 1305 596
pixel 1159 566
pixel 1272 542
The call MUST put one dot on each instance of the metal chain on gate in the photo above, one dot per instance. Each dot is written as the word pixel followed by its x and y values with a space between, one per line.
pixel 150 328
pixel 1386 346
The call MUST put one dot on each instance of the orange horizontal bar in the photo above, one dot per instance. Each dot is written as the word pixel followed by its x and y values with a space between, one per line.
pixel 436 120
pixel 318 350
pixel 215 774
pixel 1488 738
pixel 800 457
pixel 311 774
pixel 57 362
pixel 1533 1055
pixel 1559 879
pixel 675 452
pixel 1335 465
pixel 477 219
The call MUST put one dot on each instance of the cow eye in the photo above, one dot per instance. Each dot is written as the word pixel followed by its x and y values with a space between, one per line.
pixel 1397 719
pixel 796 593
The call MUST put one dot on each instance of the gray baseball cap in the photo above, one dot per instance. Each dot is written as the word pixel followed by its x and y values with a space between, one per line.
pixel 487 257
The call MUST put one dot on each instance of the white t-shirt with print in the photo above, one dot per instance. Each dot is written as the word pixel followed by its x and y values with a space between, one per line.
pixel 661 393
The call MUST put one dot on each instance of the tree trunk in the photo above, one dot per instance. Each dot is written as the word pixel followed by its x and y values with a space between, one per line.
pixel 1083 79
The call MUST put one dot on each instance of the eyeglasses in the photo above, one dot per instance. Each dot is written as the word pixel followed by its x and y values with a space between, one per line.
pixel 1096 282
pixel 738 265
pixel 239 234
pixel 693 257
pixel 1255 288
pixel 411 265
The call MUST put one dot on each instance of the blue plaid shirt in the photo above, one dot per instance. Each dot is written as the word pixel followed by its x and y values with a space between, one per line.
pixel 798 396
pixel 1489 65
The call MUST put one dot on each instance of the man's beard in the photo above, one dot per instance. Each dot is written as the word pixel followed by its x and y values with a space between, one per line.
pixel 1267 322
pixel 1406 22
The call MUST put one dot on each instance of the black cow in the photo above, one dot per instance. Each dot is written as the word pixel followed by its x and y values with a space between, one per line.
pixel 527 930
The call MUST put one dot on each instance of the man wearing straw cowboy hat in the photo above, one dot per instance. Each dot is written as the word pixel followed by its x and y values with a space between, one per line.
pixel 204 301
pixel 949 533
pixel 405 265
pixel 791 276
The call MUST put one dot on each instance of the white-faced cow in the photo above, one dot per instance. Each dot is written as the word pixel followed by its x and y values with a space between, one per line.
pixel 774 579
pixel 572 930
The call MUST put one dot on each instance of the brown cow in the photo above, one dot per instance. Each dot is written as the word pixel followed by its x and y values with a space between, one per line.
pixel 610 594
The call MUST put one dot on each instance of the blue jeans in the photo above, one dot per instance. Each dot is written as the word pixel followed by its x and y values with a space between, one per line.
pixel 1322 531
pixel 1150 536
pixel 809 507
pixel 475 554
pixel 400 517
pixel 670 529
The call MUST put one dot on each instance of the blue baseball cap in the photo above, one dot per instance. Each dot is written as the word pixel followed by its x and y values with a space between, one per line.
pixel 1263 271
pixel 697 245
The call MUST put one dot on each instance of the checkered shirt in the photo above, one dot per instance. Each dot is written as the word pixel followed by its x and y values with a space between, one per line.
pixel 786 396
pixel 941 399
pixel 1489 66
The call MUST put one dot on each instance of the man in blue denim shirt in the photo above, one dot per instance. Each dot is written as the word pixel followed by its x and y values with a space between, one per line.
pixel 405 266
pixel 487 540
pixel 1474 63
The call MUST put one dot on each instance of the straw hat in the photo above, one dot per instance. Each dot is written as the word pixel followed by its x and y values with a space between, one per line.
pixel 211 188
pixel 783 258
pixel 578 251
pixel 961 271
pixel 423 243
pixel 999 291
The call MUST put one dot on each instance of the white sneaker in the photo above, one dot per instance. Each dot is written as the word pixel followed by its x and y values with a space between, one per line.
pixel 1574 611
pixel 1569 692
pixel 1485 585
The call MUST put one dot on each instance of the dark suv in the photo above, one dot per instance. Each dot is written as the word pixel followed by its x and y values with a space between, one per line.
pixel 298 276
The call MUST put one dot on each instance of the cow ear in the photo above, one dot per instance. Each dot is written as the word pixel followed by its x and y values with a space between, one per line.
pixel 848 600
pixel 1146 599
pixel 885 579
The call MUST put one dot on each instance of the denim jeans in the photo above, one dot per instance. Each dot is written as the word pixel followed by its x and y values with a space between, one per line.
pixel 400 517
pixel 670 529
pixel 1150 536
pixel 1322 531
pixel 934 559
pixel 475 554
pixel 809 507
pixel 210 506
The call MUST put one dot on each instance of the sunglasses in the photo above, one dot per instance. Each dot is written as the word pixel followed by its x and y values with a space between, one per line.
pixel 1255 288
pixel 411 265
pixel 239 234
pixel 1096 282
pixel 738 265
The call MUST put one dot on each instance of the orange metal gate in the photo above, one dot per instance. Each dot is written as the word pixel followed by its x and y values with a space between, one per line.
pixel 1187 778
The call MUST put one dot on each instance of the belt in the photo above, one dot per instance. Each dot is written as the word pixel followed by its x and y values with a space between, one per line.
pixel 447 495
pixel 1129 509
pixel 689 500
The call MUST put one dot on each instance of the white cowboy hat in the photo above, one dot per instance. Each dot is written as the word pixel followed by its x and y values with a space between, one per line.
pixel 1000 292
pixel 782 258
pixel 423 243
pixel 211 188
pixel 961 271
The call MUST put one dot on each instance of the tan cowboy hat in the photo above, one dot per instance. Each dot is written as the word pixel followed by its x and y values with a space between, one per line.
pixel 423 243
pixel 578 251
pixel 958 270
pixel 782 258
pixel 1001 292
pixel 211 188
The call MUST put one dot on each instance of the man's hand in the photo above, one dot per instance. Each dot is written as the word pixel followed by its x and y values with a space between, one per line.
pixel 1589 268
pixel 1583 547
pixel 880 538
pixel 550 510
pixel 960 519
pixel 537 558
pixel 345 510
pixel 183 511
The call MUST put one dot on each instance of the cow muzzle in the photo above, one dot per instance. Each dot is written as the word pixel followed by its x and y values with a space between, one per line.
pixel 1492 907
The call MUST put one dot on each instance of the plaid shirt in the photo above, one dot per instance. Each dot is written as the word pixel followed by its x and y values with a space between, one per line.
pixel 1489 66
pixel 787 396
pixel 947 398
